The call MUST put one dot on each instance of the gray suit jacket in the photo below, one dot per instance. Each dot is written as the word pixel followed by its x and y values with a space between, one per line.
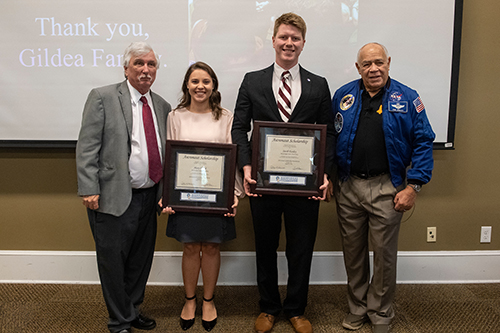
pixel 103 148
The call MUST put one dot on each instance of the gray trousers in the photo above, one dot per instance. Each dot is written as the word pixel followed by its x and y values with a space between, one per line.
pixel 368 220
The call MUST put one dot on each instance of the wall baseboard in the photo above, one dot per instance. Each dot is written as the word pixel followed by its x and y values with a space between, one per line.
pixel 238 268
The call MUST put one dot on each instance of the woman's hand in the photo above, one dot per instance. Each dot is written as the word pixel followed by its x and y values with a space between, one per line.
pixel 235 204
pixel 166 210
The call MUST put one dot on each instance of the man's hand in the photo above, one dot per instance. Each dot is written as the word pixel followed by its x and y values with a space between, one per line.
pixel 247 180
pixel 91 201
pixel 323 188
pixel 329 192
pixel 405 199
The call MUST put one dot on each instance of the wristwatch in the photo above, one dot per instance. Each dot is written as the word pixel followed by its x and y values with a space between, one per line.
pixel 416 187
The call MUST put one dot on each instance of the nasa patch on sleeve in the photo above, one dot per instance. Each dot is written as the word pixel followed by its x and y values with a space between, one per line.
pixel 346 102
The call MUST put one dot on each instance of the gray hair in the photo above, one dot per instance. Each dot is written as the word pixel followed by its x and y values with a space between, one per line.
pixel 373 43
pixel 138 49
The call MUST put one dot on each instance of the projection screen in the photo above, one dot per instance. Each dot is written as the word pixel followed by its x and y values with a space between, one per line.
pixel 55 51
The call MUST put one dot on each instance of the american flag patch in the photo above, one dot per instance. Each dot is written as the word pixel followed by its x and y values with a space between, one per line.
pixel 419 105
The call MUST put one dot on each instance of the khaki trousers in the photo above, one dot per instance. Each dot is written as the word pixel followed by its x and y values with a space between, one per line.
pixel 367 219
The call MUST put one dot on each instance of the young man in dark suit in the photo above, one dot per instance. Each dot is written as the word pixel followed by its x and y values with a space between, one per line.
pixel 283 92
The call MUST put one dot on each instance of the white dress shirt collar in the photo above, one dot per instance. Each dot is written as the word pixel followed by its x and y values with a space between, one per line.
pixel 294 71
pixel 136 95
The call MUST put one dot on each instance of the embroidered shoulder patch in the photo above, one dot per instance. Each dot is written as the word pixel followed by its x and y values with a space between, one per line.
pixel 398 106
pixel 419 105
pixel 339 122
pixel 346 102
pixel 395 96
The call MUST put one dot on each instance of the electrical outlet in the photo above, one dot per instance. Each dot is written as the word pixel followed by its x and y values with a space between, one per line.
pixel 431 234
pixel 485 234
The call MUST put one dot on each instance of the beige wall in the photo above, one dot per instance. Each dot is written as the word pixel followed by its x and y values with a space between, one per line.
pixel 39 208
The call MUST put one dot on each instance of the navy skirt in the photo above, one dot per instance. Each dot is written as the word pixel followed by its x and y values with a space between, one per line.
pixel 195 228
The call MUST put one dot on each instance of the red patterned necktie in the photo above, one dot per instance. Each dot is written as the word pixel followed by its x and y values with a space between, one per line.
pixel 284 96
pixel 155 169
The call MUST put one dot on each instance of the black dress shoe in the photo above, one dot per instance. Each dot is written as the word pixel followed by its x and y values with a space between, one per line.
pixel 208 325
pixel 143 323
pixel 187 323
pixel 128 330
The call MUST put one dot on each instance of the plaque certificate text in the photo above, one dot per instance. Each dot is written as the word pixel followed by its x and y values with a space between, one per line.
pixel 289 154
pixel 199 172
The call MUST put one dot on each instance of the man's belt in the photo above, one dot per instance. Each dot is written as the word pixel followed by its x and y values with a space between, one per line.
pixel 368 175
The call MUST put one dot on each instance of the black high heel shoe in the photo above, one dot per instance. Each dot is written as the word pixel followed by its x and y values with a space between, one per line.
pixel 187 323
pixel 208 325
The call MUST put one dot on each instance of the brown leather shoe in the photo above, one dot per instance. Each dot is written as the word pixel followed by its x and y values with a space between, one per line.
pixel 264 323
pixel 301 324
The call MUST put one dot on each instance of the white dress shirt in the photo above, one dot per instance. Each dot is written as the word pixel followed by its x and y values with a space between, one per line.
pixel 295 83
pixel 138 163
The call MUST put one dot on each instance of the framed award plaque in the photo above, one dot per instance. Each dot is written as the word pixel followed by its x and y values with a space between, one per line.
pixel 199 176
pixel 288 158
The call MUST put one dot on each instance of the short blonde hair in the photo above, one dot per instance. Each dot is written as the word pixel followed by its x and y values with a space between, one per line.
pixel 290 19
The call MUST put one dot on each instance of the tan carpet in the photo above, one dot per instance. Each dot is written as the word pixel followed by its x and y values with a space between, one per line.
pixel 27 308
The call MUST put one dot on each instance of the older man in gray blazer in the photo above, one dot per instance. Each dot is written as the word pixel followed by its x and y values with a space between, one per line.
pixel 118 158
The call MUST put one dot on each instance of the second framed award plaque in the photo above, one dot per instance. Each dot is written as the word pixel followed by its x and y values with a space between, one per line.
pixel 288 158
pixel 199 176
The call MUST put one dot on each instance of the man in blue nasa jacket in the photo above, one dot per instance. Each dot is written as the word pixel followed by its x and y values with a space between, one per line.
pixel 382 130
